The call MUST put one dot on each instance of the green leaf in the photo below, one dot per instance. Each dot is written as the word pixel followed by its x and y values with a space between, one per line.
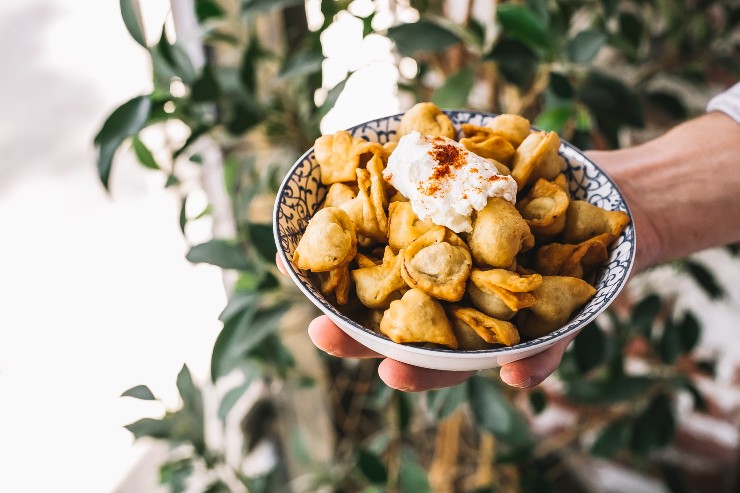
pixel 675 479
pixel 263 240
pixel 237 316
pixel 208 9
pixel 372 467
pixel 422 37
pixel 654 428
pixel 644 313
pixel 260 6
pixel 195 134
pixel 143 154
pixel 705 278
pixel 560 85
pixel 219 486
pixel 516 61
pixel 221 253
pixel 734 249
pixel 205 88
pixel 454 92
pixel 494 413
pixel 153 428
pixel 538 401
pixel 690 330
pixel 631 28
pixel 301 64
pixel 132 19
pixel 171 60
pixel 684 382
pixel 139 392
pixel 522 24
pixel 176 474
pixel 589 348
pixel 612 103
pixel 245 116
pixel 125 121
pixel 249 68
pixel 367 24
pixel 669 103
pixel 183 220
pixel 609 6
pixel 192 398
pixel 405 409
pixel 331 98
pixel 172 181
pixel 539 10
pixel 443 402
pixel 623 388
pixel 554 119
pixel 231 398
pixel 239 303
pixel 584 47
pixel 612 439
pixel 412 477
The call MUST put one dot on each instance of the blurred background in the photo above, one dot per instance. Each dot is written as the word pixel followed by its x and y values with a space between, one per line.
pixel 143 142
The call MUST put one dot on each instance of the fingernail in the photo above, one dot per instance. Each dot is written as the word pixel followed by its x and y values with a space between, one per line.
pixel 513 381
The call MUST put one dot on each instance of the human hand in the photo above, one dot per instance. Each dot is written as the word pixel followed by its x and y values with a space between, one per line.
pixel 524 373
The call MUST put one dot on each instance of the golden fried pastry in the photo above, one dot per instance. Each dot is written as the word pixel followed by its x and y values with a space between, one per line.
pixel 513 128
pixel 390 146
pixel 557 298
pixel 544 208
pixel 437 263
pixel 338 194
pixel 486 143
pixel 556 259
pixel 499 234
pixel 427 119
pixel 496 287
pixel 584 221
pixel 340 154
pixel 487 329
pixel 337 282
pixel 366 210
pixel 537 157
pixel 328 242
pixel 404 226
pixel 376 285
pixel 490 303
pixel 417 317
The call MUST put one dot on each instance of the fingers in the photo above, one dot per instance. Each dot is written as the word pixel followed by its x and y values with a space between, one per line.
pixel 409 378
pixel 331 339
pixel 280 265
pixel 531 371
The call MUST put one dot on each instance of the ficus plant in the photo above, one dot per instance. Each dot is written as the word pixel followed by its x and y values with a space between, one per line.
pixel 260 88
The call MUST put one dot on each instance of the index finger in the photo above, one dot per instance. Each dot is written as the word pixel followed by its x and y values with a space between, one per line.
pixel 280 265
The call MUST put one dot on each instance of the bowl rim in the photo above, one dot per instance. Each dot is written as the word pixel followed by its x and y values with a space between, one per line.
pixel 541 342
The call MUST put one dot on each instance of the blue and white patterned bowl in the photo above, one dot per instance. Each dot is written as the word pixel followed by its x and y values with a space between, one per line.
pixel 302 194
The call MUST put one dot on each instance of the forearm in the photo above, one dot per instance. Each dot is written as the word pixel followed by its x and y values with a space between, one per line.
pixel 683 188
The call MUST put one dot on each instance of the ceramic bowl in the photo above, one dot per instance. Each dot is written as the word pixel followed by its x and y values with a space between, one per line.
pixel 302 194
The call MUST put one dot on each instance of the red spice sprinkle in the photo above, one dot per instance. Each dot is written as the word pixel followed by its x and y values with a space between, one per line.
pixel 449 157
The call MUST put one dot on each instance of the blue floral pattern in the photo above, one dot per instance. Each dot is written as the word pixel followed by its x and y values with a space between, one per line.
pixel 302 194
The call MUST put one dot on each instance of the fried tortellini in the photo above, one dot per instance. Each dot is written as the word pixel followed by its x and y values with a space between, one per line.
pixel 340 154
pixel 427 119
pixel 499 234
pixel 328 242
pixel 437 263
pixel 417 317
pixel 520 273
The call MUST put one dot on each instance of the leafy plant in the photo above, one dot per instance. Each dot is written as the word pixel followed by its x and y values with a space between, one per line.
pixel 256 91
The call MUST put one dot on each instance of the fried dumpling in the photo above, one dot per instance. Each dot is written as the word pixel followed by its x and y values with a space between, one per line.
pixel 338 194
pixel 473 328
pixel 404 226
pixel 337 283
pixel 544 208
pixel 487 143
pixel 501 168
pixel 427 119
pixel 537 157
pixel 496 287
pixel 557 298
pixel 367 209
pixel 556 259
pixel 499 234
pixel 328 242
pixel 417 317
pixel 376 285
pixel 513 128
pixel 340 154
pixel 584 221
pixel 437 263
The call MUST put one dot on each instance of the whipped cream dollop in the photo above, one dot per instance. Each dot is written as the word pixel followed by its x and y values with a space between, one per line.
pixel 444 181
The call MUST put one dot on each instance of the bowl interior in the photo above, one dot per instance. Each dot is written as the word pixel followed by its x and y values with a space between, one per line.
pixel 302 194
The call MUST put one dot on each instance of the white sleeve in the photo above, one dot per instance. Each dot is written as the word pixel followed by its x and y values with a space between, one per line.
pixel 727 102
